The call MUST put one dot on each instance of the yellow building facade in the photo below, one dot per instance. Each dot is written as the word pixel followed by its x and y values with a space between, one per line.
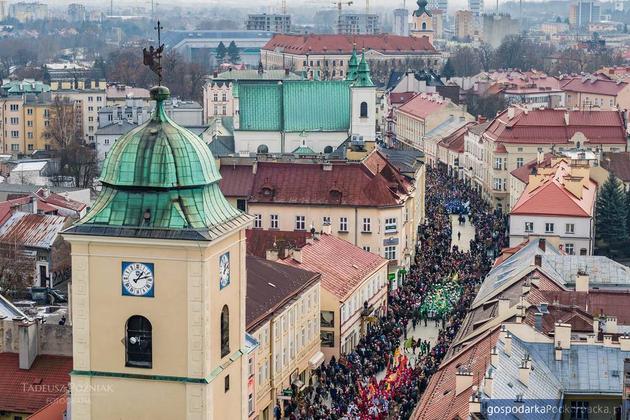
pixel 24 122
pixel 159 285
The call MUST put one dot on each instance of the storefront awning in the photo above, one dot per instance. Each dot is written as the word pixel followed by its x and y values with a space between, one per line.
pixel 316 361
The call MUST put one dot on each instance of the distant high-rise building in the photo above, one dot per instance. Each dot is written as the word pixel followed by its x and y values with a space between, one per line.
pixel 587 12
pixel 476 7
pixel 498 26
pixel 76 12
pixel 25 12
pixel 401 22
pixel 438 5
pixel 464 24
pixel 269 23
pixel 4 9
pixel 359 23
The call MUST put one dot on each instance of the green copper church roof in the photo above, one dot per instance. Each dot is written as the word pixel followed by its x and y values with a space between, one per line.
pixel 352 65
pixel 160 176
pixel 363 78
pixel 422 8
pixel 295 106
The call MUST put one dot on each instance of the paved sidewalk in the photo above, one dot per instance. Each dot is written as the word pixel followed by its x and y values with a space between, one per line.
pixel 467 233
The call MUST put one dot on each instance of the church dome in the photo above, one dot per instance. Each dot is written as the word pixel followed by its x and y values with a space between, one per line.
pixel 159 154
pixel 160 180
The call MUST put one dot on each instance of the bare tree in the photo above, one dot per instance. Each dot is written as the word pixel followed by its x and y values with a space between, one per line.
pixel 77 159
pixel 17 267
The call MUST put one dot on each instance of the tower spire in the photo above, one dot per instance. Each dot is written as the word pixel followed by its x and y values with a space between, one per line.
pixel 152 57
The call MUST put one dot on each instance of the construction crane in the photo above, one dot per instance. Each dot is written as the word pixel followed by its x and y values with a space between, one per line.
pixel 284 7
pixel 340 5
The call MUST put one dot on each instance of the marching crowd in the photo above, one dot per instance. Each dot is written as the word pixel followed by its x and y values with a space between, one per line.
pixel 347 388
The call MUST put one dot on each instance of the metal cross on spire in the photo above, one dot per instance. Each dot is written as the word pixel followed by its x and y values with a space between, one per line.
pixel 153 56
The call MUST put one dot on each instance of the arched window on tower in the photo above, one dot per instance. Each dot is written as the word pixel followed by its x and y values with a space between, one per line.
pixel 225 331
pixel 424 26
pixel 138 342
pixel 364 110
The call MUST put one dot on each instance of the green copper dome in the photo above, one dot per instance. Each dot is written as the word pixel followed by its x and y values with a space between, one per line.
pixel 160 176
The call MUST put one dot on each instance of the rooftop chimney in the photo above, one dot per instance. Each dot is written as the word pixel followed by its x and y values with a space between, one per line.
pixel 27 331
pixel 538 260
pixel 523 371
pixel 624 342
pixel 504 306
pixel 327 229
pixel 558 353
pixel 297 255
pixel 607 340
pixel 538 318
pixel 562 335
pixel 542 244
pixel 611 325
pixel 487 383
pixel 272 255
pixel 582 281
pixel 525 288
pixel 463 380
pixel 474 403
pixel 494 356
pixel 507 345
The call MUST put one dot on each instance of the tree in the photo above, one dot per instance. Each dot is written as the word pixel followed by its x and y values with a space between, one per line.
pixel 465 62
pixel 485 105
pixel 233 53
pixel 611 213
pixel 448 71
pixel 76 159
pixel 17 268
pixel 221 52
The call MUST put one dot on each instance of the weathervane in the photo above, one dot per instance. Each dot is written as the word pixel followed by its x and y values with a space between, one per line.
pixel 153 56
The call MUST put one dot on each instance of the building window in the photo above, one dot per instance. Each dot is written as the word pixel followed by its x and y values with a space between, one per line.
pixel 343 224
pixel 274 221
pixel 328 338
pixel 529 227
pixel 300 223
pixel 226 383
pixel 579 410
pixel 569 249
pixel 570 228
pixel 390 252
pixel 29 123
pixel 225 331
pixel 241 204
pixel 549 227
pixel 498 184
pixel 390 225
pixel 15 147
pixel 30 147
pixel 138 342
pixel 327 319
pixel 519 162
pixel 367 228
pixel 498 163
pixel 366 248
pixel 14 120
pixel 29 134
pixel 258 221
pixel 29 111
pixel 364 110
pixel 14 107
pixel 250 404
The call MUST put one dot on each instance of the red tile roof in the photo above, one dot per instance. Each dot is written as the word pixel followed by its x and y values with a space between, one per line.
pixel 552 197
pixel 595 85
pixel 340 276
pixel 595 302
pixel 421 106
pixel 57 200
pixel 618 164
pixel 343 44
pixel 237 180
pixel 346 184
pixel 439 400
pixel 549 126
pixel 399 98
pixel 455 141
pixel 56 410
pixel 26 391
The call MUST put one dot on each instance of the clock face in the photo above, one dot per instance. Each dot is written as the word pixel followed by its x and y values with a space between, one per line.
pixel 137 279
pixel 224 270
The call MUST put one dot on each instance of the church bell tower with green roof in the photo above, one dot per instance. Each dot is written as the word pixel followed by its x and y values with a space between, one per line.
pixel 159 282
pixel 363 99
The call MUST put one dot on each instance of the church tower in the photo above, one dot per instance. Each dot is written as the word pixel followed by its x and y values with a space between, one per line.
pixel 159 282
pixel 363 93
pixel 422 24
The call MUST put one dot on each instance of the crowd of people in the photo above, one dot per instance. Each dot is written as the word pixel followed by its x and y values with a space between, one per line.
pixel 348 388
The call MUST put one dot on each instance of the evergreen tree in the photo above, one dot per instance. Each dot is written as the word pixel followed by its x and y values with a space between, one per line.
pixel 448 71
pixel 611 213
pixel 221 52
pixel 233 53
